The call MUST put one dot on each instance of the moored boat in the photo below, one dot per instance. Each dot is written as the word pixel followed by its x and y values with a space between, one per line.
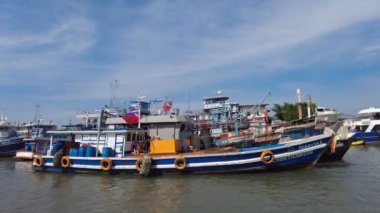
pixel 291 154
pixel 313 126
pixel 36 140
pixel 171 155
pixel 10 140
pixel 337 152
pixel 341 142
pixel 366 130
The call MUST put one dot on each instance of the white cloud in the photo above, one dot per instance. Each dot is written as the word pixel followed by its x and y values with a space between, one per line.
pixel 291 24
pixel 372 48
pixel 72 34
pixel 170 47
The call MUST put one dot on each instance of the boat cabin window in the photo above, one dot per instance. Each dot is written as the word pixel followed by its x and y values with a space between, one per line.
pixel 376 128
pixel 361 128
pixel 376 116
pixel 182 127
pixel 3 128
pixel 135 137
pixel 93 137
pixel 119 138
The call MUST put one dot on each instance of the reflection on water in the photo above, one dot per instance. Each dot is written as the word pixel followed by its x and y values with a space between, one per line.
pixel 345 186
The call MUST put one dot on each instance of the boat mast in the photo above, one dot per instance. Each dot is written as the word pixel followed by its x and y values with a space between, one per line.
pixel 36 113
pixel 308 97
pixel 139 100
pixel 299 103
pixel 98 133
pixel 2 114
pixel 114 86
pixel 139 114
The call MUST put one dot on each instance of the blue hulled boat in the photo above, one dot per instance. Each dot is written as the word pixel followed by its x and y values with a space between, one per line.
pixel 172 155
pixel 35 138
pixel 297 153
pixel 10 140
pixel 366 130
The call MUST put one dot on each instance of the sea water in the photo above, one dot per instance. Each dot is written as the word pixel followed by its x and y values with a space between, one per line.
pixel 351 185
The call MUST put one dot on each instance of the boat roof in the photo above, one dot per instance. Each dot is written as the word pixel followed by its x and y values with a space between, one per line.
pixel 253 105
pixel 319 108
pixel 117 120
pixel 217 98
pixel 66 132
pixel 39 125
pixel 88 115
pixel 166 119
pixel 370 110
pixel 5 123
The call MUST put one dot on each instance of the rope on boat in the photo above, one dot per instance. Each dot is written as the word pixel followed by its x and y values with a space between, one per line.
pixel 57 158
pixel 146 165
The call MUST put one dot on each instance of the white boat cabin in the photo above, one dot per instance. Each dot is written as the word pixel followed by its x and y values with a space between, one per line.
pixel 368 121
pixel 6 129
pixel 121 141
pixel 178 127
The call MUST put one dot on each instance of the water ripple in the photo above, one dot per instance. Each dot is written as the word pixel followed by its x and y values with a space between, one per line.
pixel 347 186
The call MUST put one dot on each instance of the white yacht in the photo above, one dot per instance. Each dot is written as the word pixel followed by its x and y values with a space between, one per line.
pixel 366 129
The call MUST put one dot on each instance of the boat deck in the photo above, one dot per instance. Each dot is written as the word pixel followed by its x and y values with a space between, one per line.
pixel 197 152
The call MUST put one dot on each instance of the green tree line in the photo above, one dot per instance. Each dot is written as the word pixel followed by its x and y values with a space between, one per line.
pixel 289 111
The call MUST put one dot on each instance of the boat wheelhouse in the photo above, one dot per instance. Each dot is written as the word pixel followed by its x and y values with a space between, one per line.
pixel 112 134
pixel 326 115
pixel 36 139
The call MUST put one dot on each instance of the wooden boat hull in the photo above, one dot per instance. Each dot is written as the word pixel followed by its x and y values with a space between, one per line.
pixel 341 148
pixel 296 153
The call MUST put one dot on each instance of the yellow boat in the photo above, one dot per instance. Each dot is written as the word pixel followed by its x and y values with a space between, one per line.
pixel 357 143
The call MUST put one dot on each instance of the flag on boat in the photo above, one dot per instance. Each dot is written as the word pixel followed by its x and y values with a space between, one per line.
pixel 132 116
pixel 133 111
pixel 167 106
pixel 131 119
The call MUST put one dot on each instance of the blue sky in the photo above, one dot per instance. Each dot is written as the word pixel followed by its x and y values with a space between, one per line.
pixel 63 55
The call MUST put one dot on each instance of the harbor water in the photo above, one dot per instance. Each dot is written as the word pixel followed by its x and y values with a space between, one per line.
pixel 351 185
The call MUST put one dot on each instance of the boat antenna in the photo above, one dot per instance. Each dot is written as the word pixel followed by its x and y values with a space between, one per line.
pixel 114 86
pixel 2 113
pixel 36 113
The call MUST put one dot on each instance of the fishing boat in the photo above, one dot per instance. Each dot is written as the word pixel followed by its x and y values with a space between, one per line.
pixel 313 126
pixel 10 140
pixel 165 147
pixel 233 124
pixel 366 130
pixel 36 139
pixel 341 142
